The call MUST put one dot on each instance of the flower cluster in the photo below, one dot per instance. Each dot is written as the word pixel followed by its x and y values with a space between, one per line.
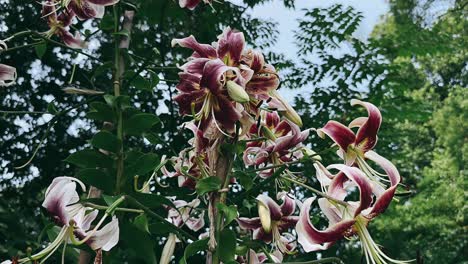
pixel 230 93
pixel 74 220
pixel 60 14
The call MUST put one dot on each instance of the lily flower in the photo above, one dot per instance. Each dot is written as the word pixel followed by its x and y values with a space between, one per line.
pixel 283 143
pixel 7 75
pixel 272 221
pixel 59 25
pixel 356 148
pixel 74 220
pixel 348 219
pixel 183 214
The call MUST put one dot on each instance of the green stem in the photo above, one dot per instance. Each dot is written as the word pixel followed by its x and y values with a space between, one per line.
pixel 324 260
pixel 118 209
pixel 147 210
pixel 314 190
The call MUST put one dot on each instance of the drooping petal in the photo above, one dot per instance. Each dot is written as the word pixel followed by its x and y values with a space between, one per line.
pixel 7 75
pixel 312 239
pixel 363 184
pixel 195 66
pixel 185 100
pixel 253 59
pixel 287 222
pixel 366 137
pixel 84 10
pixel 189 82
pixel 60 193
pixel 339 133
pixel 190 4
pixel 196 223
pixel 384 200
pixel 107 237
pixel 263 81
pixel 200 50
pixel 332 213
pixel 83 220
pixel 71 41
pixel 273 208
pixel 231 43
pixel 226 113
pixel 249 223
pixel 336 188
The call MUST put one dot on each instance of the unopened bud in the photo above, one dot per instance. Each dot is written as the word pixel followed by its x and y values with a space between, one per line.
pixel 310 153
pixel 293 116
pixel 237 92
pixel 83 91
pixel 265 219
pixel 268 133
pixel 168 249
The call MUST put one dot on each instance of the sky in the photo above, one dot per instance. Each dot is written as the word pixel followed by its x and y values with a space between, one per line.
pixel 372 11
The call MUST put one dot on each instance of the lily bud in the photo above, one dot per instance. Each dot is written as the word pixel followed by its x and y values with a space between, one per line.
pixel 237 92
pixel 83 91
pixel 310 153
pixel 286 109
pixel 268 133
pixel 264 214
pixel 168 249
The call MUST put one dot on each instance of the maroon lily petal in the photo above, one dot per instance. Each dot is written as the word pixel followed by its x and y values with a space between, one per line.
pixel 263 81
pixel 83 10
pixel 312 239
pixel 282 128
pixel 273 207
pixel 49 12
pixel 71 41
pixel 249 223
pixel 213 75
pixel 336 189
pixel 287 222
pixel 195 66
pixel 226 113
pixel 289 203
pixel 188 82
pixel 384 200
pixel 366 137
pixel 185 100
pixel 260 234
pixel 360 179
pixel 190 4
pixel 272 119
pixel 200 50
pixel 340 134
pixel 253 59
pixel 330 211
pixel 231 43
pixel 104 2
pixel 7 75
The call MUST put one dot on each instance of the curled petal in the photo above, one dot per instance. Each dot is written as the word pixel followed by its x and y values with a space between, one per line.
pixel 289 203
pixel 253 59
pixel 195 66
pixel 190 4
pixel 231 43
pixel 189 82
pixel 85 10
pixel 185 100
pixel 360 179
pixel 196 223
pixel 312 239
pixel 339 133
pixel 249 223
pixel 200 50
pixel 366 136
pixel 273 208
pixel 323 175
pixel 226 113
pixel 255 156
pixel 272 119
pixel 83 220
pixel 263 81
pixel 7 75
pixel 384 199
pixel 71 41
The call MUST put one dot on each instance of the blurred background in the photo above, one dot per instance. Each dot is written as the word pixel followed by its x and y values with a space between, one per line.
pixel 408 57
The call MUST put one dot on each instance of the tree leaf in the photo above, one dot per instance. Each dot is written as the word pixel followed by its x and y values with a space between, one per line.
pixel 106 141
pixel 208 185
pixel 193 249
pixel 97 178
pixel 139 123
pixel 89 158
pixel 227 249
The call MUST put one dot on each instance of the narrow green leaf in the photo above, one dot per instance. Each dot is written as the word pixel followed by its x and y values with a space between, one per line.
pixel 51 108
pixel 141 222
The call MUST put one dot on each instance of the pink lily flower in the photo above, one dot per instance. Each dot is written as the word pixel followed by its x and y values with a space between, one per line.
pixel 349 219
pixel 7 75
pixel 356 148
pixel 184 215
pixel 59 25
pixel 283 143
pixel 273 221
